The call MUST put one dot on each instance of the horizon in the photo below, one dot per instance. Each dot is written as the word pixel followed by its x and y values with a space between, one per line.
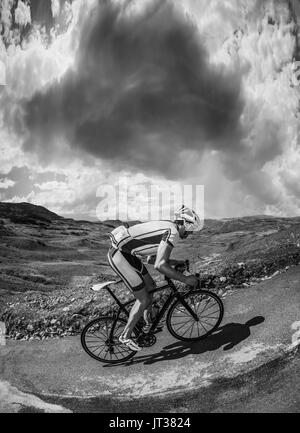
pixel 79 218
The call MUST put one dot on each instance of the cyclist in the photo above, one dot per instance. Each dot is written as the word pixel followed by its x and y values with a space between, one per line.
pixel 154 240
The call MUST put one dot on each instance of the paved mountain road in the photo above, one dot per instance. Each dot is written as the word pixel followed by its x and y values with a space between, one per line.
pixel 239 368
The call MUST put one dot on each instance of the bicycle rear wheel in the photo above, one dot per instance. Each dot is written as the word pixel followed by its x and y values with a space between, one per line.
pixel 100 339
pixel 209 310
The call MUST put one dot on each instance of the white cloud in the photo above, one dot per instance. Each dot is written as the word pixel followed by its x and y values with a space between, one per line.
pixel 6 183
pixel 55 7
pixel 22 14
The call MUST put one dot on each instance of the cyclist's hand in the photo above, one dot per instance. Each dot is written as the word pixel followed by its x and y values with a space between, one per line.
pixel 183 266
pixel 192 281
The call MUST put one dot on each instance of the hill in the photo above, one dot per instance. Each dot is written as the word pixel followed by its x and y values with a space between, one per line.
pixel 49 262
pixel 26 213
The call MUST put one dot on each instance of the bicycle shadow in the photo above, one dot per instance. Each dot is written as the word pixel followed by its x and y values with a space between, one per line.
pixel 229 336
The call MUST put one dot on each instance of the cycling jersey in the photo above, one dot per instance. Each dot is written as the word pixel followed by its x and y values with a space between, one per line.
pixel 143 239
pixel 139 240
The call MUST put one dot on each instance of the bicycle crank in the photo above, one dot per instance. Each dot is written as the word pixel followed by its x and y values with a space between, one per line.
pixel 146 340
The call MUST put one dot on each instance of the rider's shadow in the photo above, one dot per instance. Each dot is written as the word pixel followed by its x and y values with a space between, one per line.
pixel 227 336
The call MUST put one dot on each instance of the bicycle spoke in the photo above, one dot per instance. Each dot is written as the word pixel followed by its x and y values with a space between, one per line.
pixel 188 329
pixel 95 342
pixel 93 345
pixel 212 312
pixel 121 348
pixel 94 333
pixel 211 325
pixel 192 329
pixel 179 323
pixel 101 343
pixel 101 350
pixel 206 306
pixel 203 326
pixel 121 352
pixel 182 325
pixel 94 337
pixel 215 318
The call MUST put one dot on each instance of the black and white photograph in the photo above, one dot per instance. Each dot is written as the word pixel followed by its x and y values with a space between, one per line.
pixel 149 209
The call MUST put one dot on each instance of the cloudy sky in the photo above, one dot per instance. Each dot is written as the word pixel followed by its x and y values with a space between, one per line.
pixel 189 92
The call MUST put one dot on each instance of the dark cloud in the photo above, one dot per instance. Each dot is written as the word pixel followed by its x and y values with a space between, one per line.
pixel 41 13
pixel 141 91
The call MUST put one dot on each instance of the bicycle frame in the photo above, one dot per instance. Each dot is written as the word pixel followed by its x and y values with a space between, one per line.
pixel 174 295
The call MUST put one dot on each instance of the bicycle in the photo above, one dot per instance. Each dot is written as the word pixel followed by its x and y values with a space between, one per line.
pixel 185 314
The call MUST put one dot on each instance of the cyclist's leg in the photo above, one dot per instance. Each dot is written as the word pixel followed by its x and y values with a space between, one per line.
pixel 150 285
pixel 140 305
pixel 131 272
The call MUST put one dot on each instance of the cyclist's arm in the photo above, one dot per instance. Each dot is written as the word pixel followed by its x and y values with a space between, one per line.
pixel 163 265
pixel 172 262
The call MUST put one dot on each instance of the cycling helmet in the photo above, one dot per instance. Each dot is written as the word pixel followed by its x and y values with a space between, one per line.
pixel 190 219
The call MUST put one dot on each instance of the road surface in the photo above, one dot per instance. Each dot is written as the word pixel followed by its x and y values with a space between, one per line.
pixel 249 364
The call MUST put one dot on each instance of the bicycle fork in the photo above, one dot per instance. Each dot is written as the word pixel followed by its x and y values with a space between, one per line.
pixel 166 307
pixel 188 308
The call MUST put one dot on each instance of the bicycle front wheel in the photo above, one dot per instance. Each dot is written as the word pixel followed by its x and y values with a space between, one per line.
pixel 100 339
pixel 209 312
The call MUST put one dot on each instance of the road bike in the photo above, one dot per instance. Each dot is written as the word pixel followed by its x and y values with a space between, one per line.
pixel 191 315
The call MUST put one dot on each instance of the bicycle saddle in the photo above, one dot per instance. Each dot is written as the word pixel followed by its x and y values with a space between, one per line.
pixel 100 286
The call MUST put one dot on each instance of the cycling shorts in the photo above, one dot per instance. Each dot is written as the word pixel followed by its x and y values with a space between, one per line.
pixel 128 267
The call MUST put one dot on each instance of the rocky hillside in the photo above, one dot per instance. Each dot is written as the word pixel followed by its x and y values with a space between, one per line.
pixel 48 263
pixel 26 213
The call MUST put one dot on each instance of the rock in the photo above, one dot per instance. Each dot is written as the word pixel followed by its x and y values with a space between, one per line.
pixel 223 279
pixel 30 327
pixel 53 321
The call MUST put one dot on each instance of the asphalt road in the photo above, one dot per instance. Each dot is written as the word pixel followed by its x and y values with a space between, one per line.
pixel 249 365
pixel 271 388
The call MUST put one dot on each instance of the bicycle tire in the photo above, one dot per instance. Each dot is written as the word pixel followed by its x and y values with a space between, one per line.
pixel 112 351
pixel 177 310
